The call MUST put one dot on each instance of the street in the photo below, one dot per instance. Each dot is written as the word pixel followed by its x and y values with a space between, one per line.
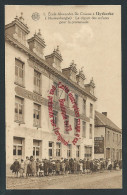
pixel 105 180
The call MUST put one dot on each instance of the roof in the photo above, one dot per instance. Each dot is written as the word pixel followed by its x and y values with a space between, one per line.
pixel 102 120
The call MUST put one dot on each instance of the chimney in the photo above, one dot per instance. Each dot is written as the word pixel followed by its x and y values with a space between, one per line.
pixel 55 59
pixel 37 44
pixel 105 113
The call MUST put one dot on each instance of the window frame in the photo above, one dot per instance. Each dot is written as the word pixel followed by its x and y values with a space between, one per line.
pixel 35 123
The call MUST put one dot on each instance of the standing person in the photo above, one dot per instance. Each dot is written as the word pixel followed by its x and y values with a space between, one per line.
pixel 91 166
pixel 87 166
pixel 62 167
pixel 37 166
pixel 81 166
pixel 21 169
pixel 15 167
pixel 26 162
pixel 66 166
pixel 109 165
pixel 84 165
pixel 57 167
pixel 33 165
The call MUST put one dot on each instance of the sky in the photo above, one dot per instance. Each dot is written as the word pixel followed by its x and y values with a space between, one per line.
pixel 95 46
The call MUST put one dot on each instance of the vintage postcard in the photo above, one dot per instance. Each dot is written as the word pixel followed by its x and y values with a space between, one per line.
pixel 63 96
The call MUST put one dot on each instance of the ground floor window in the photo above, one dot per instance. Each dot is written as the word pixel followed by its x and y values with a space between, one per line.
pixel 58 149
pixel 88 152
pixel 77 151
pixel 18 147
pixel 36 148
pixel 51 149
pixel 69 150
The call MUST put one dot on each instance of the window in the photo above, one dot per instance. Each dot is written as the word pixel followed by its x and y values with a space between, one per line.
pixel 21 36
pixel 69 150
pixel 51 144
pixel 83 129
pixel 84 106
pixel 113 137
pixel 19 109
pixel 55 117
pixel 17 147
pixel 90 132
pixel 66 125
pixel 37 115
pixel 58 149
pixel 88 152
pixel 36 148
pixel 66 99
pixel 78 151
pixel 76 99
pixel 91 110
pixel 117 138
pixel 120 138
pixel 108 135
pixel 56 90
pixel 37 81
pixel 75 124
pixel 19 72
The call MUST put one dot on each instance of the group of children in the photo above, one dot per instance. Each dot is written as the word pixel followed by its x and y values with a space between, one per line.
pixel 32 167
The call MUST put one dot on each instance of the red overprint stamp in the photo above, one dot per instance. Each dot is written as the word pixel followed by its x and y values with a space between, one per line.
pixel 64 115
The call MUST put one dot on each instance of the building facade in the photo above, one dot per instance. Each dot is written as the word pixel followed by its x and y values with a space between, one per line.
pixel 29 77
pixel 107 138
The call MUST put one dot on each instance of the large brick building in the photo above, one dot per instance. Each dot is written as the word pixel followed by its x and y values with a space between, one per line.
pixel 29 78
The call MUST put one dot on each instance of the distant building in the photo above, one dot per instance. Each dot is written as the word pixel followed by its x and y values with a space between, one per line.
pixel 107 138
pixel 29 77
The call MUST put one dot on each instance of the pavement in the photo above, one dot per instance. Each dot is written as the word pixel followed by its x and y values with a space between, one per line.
pixel 104 180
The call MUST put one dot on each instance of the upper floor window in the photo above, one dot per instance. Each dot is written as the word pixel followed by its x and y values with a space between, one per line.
pixel 75 125
pixel 21 36
pixel 76 99
pixel 117 138
pixel 56 90
pixel 66 99
pixel 19 72
pixel 113 137
pixel 66 125
pixel 108 135
pixel 55 117
pixel 90 132
pixel 37 115
pixel 37 81
pixel 19 109
pixel 83 129
pixel 91 110
pixel 84 106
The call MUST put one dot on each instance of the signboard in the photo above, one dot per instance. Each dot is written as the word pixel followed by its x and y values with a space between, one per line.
pixel 98 145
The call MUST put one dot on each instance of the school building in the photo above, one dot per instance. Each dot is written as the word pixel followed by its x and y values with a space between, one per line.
pixel 29 76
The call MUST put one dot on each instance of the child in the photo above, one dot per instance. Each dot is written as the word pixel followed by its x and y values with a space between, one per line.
pixel 21 170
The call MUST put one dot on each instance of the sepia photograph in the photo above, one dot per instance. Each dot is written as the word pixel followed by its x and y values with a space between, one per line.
pixel 63 99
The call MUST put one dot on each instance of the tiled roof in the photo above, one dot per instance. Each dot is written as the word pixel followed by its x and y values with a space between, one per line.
pixel 102 120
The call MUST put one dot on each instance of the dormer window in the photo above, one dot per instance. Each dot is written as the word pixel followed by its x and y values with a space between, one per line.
pixel 18 29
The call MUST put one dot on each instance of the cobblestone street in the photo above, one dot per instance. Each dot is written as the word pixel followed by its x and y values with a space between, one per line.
pixel 105 180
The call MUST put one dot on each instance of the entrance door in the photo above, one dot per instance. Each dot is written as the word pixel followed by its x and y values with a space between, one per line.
pixel 107 153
